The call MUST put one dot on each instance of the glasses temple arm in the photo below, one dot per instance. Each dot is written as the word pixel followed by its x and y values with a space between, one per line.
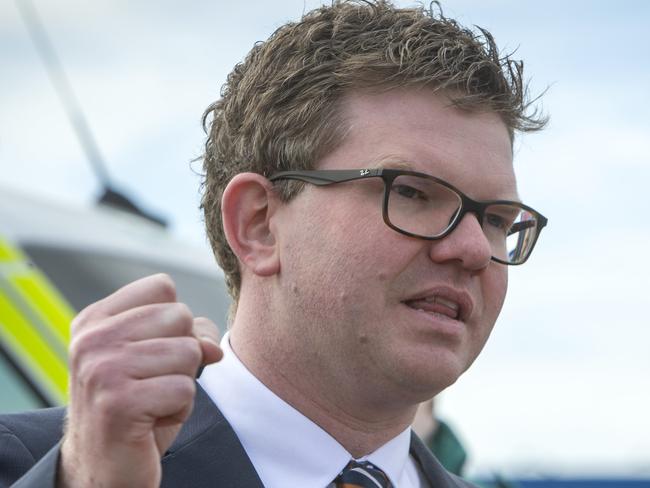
pixel 519 226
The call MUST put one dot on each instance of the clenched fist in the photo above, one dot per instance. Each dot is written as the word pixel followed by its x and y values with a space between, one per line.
pixel 133 359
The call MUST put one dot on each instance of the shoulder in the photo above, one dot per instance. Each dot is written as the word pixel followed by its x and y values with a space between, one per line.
pixel 25 438
pixel 37 430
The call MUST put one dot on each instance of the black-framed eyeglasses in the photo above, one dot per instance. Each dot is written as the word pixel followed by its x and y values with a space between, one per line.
pixel 420 205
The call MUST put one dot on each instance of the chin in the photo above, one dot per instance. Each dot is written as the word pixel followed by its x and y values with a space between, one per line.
pixel 430 376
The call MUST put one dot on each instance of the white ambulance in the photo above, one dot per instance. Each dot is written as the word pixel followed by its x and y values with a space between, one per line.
pixel 55 260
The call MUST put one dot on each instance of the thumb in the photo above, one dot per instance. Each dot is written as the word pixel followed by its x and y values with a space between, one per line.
pixel 207 333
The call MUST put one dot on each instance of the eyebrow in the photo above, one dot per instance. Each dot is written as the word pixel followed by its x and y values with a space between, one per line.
pixel 398 162
pixel 394 162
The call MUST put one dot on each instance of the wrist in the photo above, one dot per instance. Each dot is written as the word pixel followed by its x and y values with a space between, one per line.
pixel 67 475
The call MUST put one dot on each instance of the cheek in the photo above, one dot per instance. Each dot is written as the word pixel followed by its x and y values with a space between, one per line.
pixel 344 258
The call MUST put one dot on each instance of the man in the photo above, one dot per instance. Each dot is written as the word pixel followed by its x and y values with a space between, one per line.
pixel 360 197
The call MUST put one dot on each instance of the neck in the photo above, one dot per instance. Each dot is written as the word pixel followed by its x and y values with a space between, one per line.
pixel 360 424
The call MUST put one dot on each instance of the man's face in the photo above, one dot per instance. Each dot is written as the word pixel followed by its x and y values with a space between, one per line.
pixel 375 311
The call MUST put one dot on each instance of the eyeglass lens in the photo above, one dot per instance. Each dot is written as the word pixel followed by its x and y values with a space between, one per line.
pixel 424 207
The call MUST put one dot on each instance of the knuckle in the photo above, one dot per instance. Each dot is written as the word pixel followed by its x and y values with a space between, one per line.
pixel 81 345
pixel 186 353
pixel 98 374
pixel 184 388
pixel 184 316
pixel 82 318
pixel 194 353
pixel 205 326
pixel 110 405
pixel 99 371
pixel 89 342
pixel 165 286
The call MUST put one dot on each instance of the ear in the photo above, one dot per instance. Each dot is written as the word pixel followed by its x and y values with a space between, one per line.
pixel 246 207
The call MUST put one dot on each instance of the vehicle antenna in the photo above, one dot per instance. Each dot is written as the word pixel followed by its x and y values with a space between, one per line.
pixel 75 113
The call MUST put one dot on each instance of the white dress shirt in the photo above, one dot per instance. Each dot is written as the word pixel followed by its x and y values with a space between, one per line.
pixel 285 447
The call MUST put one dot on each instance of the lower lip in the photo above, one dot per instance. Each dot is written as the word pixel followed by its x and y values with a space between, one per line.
pixel 439 323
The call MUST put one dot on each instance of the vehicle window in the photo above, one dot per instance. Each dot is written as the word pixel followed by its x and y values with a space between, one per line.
pixel 84 277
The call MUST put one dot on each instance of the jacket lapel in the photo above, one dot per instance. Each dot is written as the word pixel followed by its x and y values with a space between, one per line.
pixel 433 471
pixel 207 452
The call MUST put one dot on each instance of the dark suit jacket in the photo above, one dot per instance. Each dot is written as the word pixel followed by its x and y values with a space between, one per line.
pixel 206 453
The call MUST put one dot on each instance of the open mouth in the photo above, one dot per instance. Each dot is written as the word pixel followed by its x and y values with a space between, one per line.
pixel 436 305
pixel 443 302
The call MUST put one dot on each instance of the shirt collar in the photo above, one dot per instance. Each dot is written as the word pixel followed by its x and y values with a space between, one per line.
pixel 285 447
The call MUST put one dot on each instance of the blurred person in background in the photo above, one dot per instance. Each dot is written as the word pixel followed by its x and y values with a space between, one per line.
pixel 438 436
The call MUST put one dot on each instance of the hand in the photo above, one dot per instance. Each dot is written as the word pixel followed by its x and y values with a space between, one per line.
pixel 133 359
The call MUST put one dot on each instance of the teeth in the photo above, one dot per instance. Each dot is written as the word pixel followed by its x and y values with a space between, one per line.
pixel 448 303
pixel 442 301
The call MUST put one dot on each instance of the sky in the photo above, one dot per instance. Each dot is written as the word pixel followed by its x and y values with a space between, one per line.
pixel 563 386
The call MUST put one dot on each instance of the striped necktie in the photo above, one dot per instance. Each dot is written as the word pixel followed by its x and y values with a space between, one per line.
pixel 362 475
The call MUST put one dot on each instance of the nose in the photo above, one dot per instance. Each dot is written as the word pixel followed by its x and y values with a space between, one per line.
pixel 467 244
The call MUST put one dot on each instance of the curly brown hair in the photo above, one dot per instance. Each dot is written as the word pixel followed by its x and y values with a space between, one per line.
pixel 278 108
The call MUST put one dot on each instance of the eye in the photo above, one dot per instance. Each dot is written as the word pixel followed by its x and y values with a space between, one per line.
pixel 409 192
pixel 498 222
